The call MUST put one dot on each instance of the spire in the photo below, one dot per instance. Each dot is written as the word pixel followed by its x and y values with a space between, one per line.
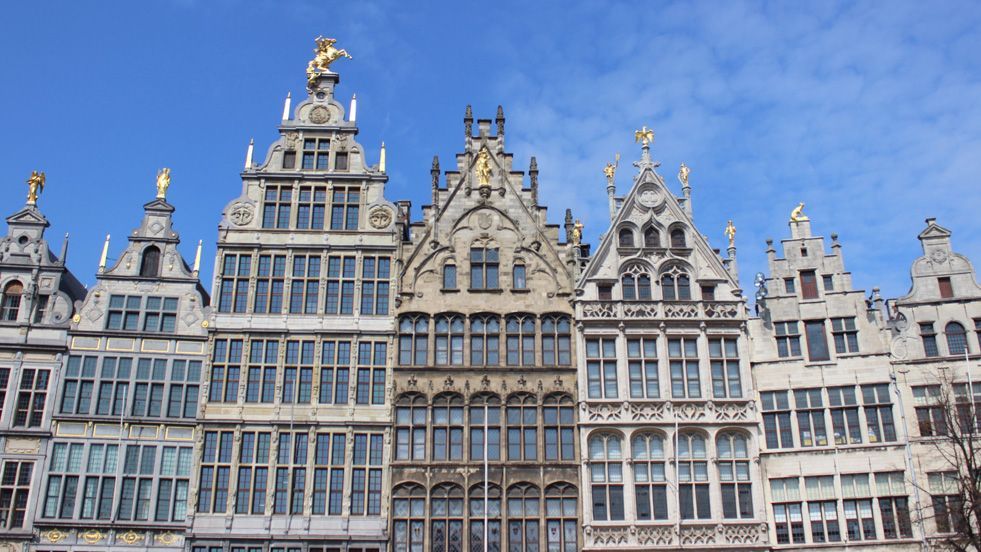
pixel 381 160
pixel 286 107
pixel 353 112
pixel 732 265
pixel 500 121
pixel 533 173
pixel 105 254
pixel 610 170
pixel 248 154
pixel 197 259
pixel 569 225
pixel 64 250
pixel 468 122
pixel 434 173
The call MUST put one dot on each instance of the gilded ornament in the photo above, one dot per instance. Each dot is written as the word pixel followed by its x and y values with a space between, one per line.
pixel 577 232
pixel 77 318
pixel 610 170
pixel 167 538
pixel 163 182
pixel 797 215
pixel 730 233
pixel 645 136
pixel 483 167
pixel 130 537
pixel 324 54
pixel 92 536
pixel 54 536
pixel 683 172
pixel 35 185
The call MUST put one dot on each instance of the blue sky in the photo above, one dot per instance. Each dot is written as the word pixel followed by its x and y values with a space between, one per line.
pixel 868 112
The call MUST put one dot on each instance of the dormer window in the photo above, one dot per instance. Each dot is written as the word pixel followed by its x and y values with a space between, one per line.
pixel 316 152
pixel 10 305
pixel 678 238
pixel 626 238
pixel 150 264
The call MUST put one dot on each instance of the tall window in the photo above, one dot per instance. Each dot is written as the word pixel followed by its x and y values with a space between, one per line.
pixel 561 526
pixel 878 413
pixel 328 474
pixel 148 391
pixel 150 263
pixel 522 420
pixel 606 476
pixel 956 338
pixel 737 489
pixel 114 385
pixel 344 206
pixel 298 373
pixel 678 238
pixel 929 410
pixel 787 517
pixel 234 293
pixel 276 207
pixel 676 285
pixel 485 427
pixel 810 417
pixel 650 483
pixel 449 340
pixel 79 385
pixel 63 469
pixel 10 303
pixel 929 337
pixel 316 153
pixel 776 419
pixel 311 207
pixel 893 505
pixel 291 473
pixel 269 284
pixel 968 402
pixel 335 362
pixel 226 364
pixel 817 341
pixel 601 368
pixel 788 338
pixel 822 508
pixel 485 340
pixel 808 284
pixel 520 330
pixel 726 382
pixel 635 284
pixel 375 274
pixel 260 384
pixel 216 460
pixel 652 238
pixel 857 505
pixel 524 509
pixel 948 515
pixel 844 415
pixel 100 484
pixel 484 266
pixel 449 276
pixel 946 289
pixel 492 502
pixel 31 398
pixel 41 308
pixel 410 428
pixel 4 381
pixel 446 515
pixel 305 284
pixel 175 469
pixel 371 372
pixel 340 284
pixel 519 279
pixel 447 427
pixel 626 237
pixel 413 340
pixel 693 487
pixel 15 488
pixel 642 368
pixel 845 335
pixel 408 518
pixel 366 474
pixel 683 358
pixel 556 341
pixel 253 473
pixel 559 424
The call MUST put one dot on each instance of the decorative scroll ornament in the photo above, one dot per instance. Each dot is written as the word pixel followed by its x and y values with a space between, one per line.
pixel 324 54
pixel 35 185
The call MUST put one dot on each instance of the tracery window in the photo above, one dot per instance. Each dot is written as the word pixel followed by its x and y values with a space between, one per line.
pixel 478 504
pixel 408 518
pixel 693 487
pixel 556 341
pixel 446 515
pixel 520 330
pixel 522 420
pixel 676 285
pixel 485 418
pixel 561 526
pixel 410 428
pixel 485 340
pixel 626 237
pixel 737 489
pixel 524 509
pixel 558 416
pixel 650 483
pixel 449 340
pixel 606 476
pixel 414 340
pixel 635 284
pixel 10 305
pixel 447 427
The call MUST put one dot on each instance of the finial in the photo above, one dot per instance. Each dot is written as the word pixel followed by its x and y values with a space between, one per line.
pixel 683 172
pixel 35 185
pixel 286 107
pixel 248 154
pixel 730 233
pixel 468 122
pixel 500 120
pixel 434 172
pixel 645 136
pixel 381 159
pixel 197 258
pixel 797 215
pixel 105 254
pixel 163 182
pixel 64 250
pixel 324 54
pixel 610 170
pixel 353 112
pixel 533 175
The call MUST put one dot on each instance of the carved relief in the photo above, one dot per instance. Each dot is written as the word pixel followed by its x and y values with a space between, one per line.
pixel 241 214
pixel 609 536
pixel 646 412
pixel 603 412
pixel 680 310
pixel 319 115
pixel 599 310
pixel 655 536
pixel 380 218
pixel 744 534
pixel 730 412
pixel 697 535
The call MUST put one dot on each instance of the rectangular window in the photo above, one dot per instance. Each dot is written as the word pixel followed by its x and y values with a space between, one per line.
pixel 375 281
pixel 366 474
pixel 776 419
pixel 371 372
pixel 335 372
pixel 829 282
pixel 857 506
pixel 605 292
pixel 160 314
pixel 726 381
pixel 789 286
pixel 944 489
pixel 810 417
pixel 226 364
pixel 269 285
pixel 683 357
pixel 878 413
pixel 311 209
pixel 124 312
pixel 341 161
pixel 344 208
pixel 297 373
pixel 305 284
pixel 601 368
pixel 15 490
pixel 817 341
pixel 234 291
pixel 808 284
pixel 260 384
pixel 316 152
pixel 708 293
pixel 845 335
pixel 844 415
pixel 788 339
pixel 788 519
pixel 253 473
pixel 340 284
pixel 276 206
pixel 449 276
pixel 518 277
pixel 893 505
pixel 4 381
pixel 929 410
pixel 946 290
pixel 484 268
pixel 823 509
pixel 642 366
pixel 289 159
pixel 31 398
pixel 929 337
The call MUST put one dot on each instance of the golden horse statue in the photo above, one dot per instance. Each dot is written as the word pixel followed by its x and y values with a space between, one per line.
pixel 324 54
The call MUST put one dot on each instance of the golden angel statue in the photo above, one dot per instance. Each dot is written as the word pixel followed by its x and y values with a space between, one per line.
pixel 610 170
pixel 797 215
pixel 163 182
pixel 35 185
pixel 324 54
pixel 730 233
pixel 683 172
pixel 577 232
pixel 645 136
pixel 483 167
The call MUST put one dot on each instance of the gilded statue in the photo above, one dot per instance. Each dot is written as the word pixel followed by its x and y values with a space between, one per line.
pixel 730 233
pixel 797 215
pixel 35 185
pixel 683 172
pixel 577 232
pixel 163 182
pixel 645 136
pixel 324 54
pixel 483 167
pixel 610 170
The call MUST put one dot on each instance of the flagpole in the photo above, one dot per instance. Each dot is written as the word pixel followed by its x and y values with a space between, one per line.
pixel 486 474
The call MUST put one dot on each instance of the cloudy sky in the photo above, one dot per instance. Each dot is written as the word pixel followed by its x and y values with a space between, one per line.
pixel 867 112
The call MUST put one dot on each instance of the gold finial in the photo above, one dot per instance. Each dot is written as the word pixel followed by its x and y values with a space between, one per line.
pixel 645 136
pixel 324 54
pixel 163 182
pixel 577 232
pixel 683 172
pixel 730 233
pixel 483 167
pixel 797 215
pixel 610 170
pixel 35 185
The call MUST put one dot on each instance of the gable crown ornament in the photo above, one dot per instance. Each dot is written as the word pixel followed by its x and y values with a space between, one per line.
pixel 323 55
pixel 35 185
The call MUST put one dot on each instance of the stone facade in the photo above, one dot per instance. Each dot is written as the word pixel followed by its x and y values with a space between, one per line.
pixel 36 305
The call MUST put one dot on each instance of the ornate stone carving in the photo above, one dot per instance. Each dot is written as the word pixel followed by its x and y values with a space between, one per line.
pixel 729 412
pixel 130 537
pixel 721 310
pixel 689 411
pixel 744 534
pixel 92 536
pixel 697 535
pixel 54 536
pixel 380 218
pixel 291 139
pixel 640 310
pixel 650 198
pixel 609 536
pixel 646 412
pixel 680 310
pixel 655 536
pixel 319 115
pixel 167 538
pixel 604 411
pixel 241 214
pixel 599 310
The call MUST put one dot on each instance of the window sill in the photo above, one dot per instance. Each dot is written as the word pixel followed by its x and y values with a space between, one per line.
pixel 450 290
pixel 484 290
pixel 520 290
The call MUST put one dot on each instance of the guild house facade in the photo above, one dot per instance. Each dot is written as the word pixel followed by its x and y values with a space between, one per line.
pixel 474 378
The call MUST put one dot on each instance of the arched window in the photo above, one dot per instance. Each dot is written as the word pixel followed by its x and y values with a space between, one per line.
pixel 485 417
pixel 676 285
pixel 556 341
pixel 635 284
pixel 10 304
pixel 449 340
pixel 652 238
pixel 410 428
pixel 561 528
pixel 408 517
pixel 485 340
pixel 449 276
pixel 446 513
pixel 492 504
pixel 521 340
pixel 150 264
pixel 414 340
pixel 678 238
pixel 956 338
pixel 626 237
pixel 558 416
pixel 522 428
pixel 448 427
pixel 737 489
pixel 524 509
pixel 650 483
pixel 606 476
pixel 693 487
pixel 519 279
